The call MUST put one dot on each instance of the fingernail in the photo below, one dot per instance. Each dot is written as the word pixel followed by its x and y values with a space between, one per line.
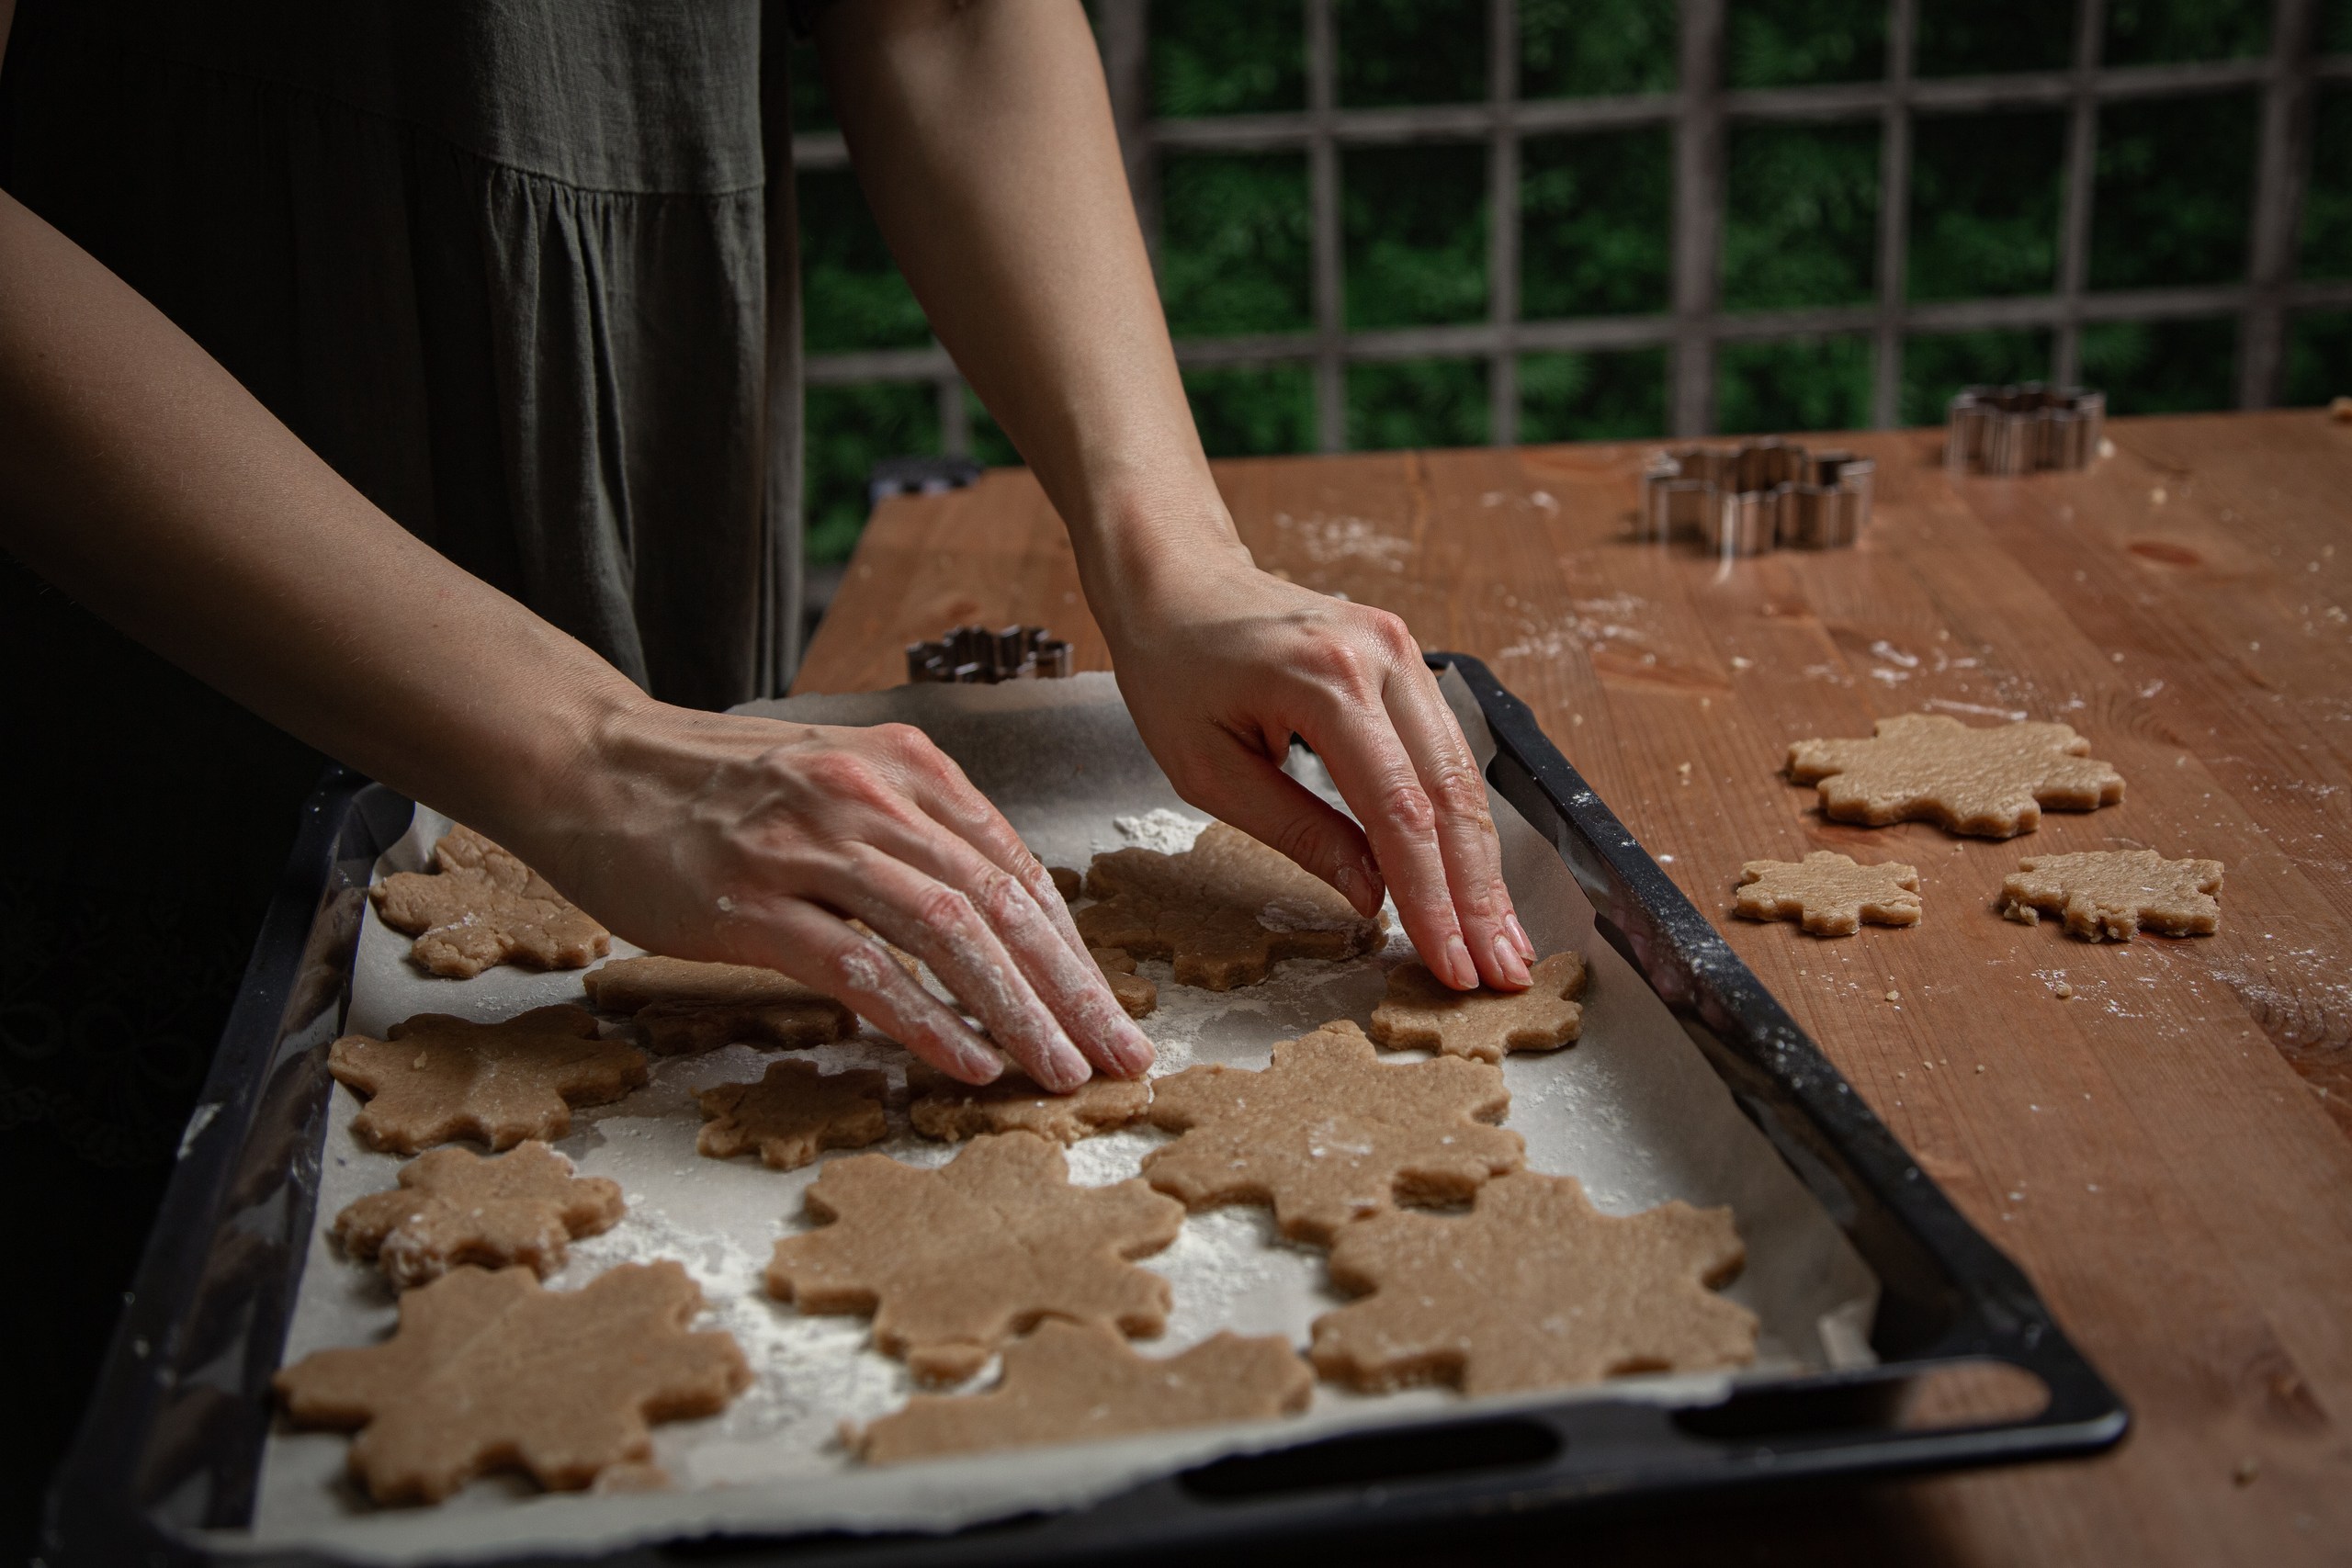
pixel 985 1066
pixel 1134 1051
pixel 1507 960
pixel 1350 882
pixel 1464 973
pixel 1065 1068
pixel 1518 935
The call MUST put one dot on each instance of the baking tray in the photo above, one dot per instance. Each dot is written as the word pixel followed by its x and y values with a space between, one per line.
pixel 170 1447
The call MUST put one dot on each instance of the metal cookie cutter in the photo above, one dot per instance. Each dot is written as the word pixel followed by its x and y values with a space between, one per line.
pixel 2015 430
pixel 1744 500
pixel 975 654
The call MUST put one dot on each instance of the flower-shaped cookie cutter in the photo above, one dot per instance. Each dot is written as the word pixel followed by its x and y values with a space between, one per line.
pixel 975 655
pixel 2016 429
pixel 1744 500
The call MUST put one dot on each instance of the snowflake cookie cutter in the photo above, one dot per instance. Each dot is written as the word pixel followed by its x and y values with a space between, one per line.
pixel 1759 495
pixel 975 655
pixel 2018 429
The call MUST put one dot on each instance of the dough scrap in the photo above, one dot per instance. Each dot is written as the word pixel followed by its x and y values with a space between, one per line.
pixel 483 906
pixel 1829 893
pixel 941 1107
pixel 1534 1288
pixel 2112 893
pixel 952 1262
pixel 680 1006
pixel 1994 783
pixel 439 1077
pixel 1329 1132
pixel 453 1207
pixel 1421 1011
pixel 1224 911
pixel 1070 1383
pixel 1136 994
pixel 490 1371
pixel 1067 883
pixel 793 1112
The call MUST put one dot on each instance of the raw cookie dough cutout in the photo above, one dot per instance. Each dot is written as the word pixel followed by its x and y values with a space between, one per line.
pixel 952 1262
pixel 680 1006
pixel 490 1371
pixel 1223 912
pixel 453 1206
pixel 1829 893
pixel 2113 895
pixel 793 1112
pixel 439 1077
pixel 1070 1383
pixel 946 1107
pixel 1136 994
pixel 484 907
pixel 1421 1012
pixel 1329 1132
pixel 1533 1289
pixel 1994 783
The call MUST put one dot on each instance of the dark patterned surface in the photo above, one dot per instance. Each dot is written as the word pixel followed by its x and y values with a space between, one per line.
pixel 147 819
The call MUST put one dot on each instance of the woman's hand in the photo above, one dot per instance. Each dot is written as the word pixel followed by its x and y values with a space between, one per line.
pixel 1221 664
pixel 748 840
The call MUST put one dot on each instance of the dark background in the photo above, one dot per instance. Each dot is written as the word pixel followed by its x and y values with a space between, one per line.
pixel 115 978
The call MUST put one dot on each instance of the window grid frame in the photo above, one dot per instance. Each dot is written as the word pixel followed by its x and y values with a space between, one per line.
pixel 1698 111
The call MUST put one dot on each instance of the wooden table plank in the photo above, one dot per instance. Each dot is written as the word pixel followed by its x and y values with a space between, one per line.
pixel 2169 1151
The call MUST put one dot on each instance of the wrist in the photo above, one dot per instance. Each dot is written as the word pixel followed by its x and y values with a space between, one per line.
pixel 1146 547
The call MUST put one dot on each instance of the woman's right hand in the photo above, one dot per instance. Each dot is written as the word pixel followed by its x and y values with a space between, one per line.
pixel 751 840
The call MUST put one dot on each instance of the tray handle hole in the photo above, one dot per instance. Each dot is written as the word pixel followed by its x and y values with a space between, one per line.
pixel 1421 1454
pixel 1978 1393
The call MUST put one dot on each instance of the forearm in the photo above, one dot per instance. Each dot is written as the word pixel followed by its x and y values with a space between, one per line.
pixel 982 135
pixel 140 477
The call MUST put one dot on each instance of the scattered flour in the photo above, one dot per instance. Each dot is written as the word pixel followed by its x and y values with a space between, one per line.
pixel 1170 832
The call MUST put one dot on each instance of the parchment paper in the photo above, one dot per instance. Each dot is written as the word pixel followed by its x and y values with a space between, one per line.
pixel 1632 1110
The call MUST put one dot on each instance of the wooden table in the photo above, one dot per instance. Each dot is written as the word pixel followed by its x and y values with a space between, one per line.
pixel 2169 1151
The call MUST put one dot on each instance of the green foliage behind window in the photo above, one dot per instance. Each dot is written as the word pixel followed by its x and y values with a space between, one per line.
pixel 852 295
pixel 1985 195
pixel 1235 248
pixel 2160 32
pixel 1414 231
pixel 1807 384
pixel 1803 223
pixel 2174 191
pixel 1242 57
pixel 1982 37
pixel 850 429
pixel 1580 48
pixel 1592 396
pixel 1410 52
pixel 1252 410
pixel 1596 224
pixel 2319 356
pixel 1421 402
pixel 2327 202
pixel 2163 367
pixel 1786 43
pixel 1938 365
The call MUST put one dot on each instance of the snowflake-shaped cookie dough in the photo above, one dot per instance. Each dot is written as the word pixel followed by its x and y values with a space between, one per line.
pixel 1830 894
pixel 439 1077
pixel 490 1371
pixel 2116 893
pixel 453 1207
pixel 1534 1288
pixel 1993 782
pixel 952 1262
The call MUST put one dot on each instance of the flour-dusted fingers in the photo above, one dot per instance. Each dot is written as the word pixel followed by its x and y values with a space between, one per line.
pixel 1465 828
pixel 1069 982
pixel 818 948
pixel 940 787
pixel 944 926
